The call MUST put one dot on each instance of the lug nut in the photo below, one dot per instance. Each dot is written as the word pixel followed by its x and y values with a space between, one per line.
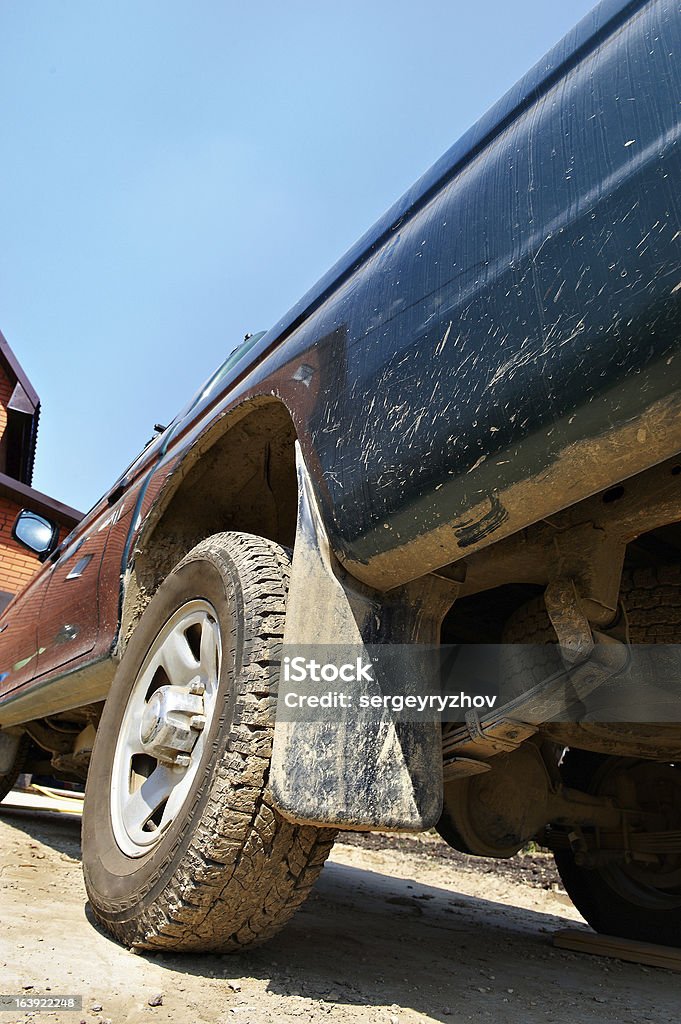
pixel 197 687
pixel 198 722
pixel 183 760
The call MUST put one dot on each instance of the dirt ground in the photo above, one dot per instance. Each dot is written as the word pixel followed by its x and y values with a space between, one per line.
pixel 398 931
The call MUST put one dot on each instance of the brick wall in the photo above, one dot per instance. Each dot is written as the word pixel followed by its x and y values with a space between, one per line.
pixel 17 565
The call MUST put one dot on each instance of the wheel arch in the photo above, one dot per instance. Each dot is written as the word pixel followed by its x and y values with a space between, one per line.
pixel 239 475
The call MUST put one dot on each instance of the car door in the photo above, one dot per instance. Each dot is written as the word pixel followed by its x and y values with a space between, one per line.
pixel 69 617
pixel 19 636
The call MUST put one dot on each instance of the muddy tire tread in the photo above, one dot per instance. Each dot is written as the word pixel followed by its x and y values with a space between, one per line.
pixel 246 869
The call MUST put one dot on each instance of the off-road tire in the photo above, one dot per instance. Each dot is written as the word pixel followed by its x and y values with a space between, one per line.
pixel 232 871
pixel 652 599
pixel 610 907
pixel 651 596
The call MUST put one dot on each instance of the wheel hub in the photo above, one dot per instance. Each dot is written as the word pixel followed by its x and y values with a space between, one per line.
pixel 172 721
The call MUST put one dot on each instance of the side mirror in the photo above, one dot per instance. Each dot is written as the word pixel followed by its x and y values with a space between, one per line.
pixel 36 533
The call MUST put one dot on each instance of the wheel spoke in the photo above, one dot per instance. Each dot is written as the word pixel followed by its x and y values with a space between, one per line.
pixel 133 740
pixel 176 797
pixel 148 798
pixel 134 744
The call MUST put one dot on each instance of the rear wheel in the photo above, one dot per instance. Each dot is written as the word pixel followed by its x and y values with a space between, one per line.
pixel 637 896
pixel 634 893
pixel 181 845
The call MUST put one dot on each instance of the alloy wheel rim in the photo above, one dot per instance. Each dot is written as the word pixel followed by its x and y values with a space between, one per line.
pixel 164 730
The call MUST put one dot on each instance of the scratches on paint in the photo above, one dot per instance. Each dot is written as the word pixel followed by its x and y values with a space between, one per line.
pixel 440 348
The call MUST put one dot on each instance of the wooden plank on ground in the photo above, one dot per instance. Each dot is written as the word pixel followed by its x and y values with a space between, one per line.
pixel 647 953
pixel 32 800
pixel 59 794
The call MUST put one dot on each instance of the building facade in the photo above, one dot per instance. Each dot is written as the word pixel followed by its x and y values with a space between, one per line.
pixel 19 416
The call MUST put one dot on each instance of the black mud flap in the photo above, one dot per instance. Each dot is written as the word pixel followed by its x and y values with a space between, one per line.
pixel 355 772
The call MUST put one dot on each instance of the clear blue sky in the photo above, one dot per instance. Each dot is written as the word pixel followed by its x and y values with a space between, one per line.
pixel 175 174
